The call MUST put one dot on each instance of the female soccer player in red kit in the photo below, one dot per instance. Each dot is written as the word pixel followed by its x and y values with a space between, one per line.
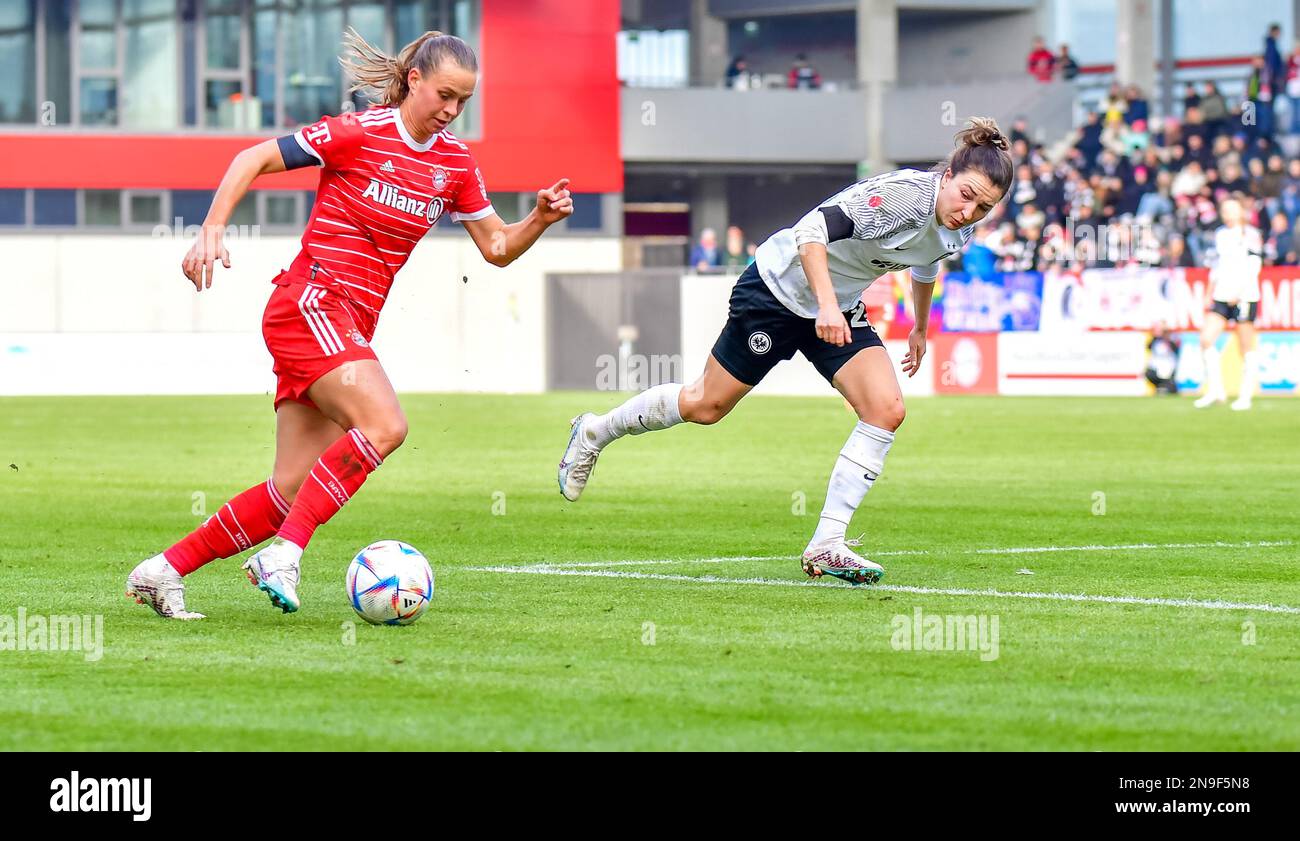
pixel 388 174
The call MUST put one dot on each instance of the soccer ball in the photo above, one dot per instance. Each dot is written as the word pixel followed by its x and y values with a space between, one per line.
pixel 390 583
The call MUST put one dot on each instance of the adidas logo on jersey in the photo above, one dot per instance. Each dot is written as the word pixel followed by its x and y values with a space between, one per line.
pixel 387 167
pixel 387 194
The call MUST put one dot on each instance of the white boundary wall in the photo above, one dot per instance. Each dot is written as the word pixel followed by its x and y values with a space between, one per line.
pixel 86 314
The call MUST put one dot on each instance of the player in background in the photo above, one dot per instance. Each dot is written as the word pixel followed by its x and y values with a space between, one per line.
pixel 387 175
pixel 803 293
pixel 1232 295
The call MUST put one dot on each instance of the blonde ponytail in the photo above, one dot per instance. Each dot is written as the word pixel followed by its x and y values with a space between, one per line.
pixel 375 70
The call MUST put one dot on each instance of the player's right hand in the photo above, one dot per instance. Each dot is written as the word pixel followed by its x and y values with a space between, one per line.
pixel 831 327
pixel 208 247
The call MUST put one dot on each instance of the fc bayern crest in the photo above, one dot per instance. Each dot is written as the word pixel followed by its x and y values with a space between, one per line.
pixel 439 179
pixel 359 339
pixel 760 342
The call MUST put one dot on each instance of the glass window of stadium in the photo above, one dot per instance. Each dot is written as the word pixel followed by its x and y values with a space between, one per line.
pixel 18 61
pixel 237 65
pixel 124 62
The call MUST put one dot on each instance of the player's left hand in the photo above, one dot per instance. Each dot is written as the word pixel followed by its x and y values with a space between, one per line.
pixel 915 352
pixel 555 203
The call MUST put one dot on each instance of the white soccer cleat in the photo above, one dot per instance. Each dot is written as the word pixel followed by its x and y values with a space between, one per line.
pixel 834 557
pixel 157 583
pixel 1207 400
pixel 274 570
pixel 1241 404
pixel 579 459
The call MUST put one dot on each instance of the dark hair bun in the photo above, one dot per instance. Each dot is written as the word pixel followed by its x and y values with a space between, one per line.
pixel 983 131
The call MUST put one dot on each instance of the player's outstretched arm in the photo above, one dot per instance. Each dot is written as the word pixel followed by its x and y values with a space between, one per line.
pixel 500 244
pixel 209 246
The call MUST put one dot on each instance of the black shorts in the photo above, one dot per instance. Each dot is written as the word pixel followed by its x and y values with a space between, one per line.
pixel 761 332
pixel 1236 312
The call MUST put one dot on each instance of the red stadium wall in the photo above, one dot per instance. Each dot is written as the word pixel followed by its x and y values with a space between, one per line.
pixel 549 94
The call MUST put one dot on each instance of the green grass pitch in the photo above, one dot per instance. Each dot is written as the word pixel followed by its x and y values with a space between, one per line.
pixel 564 660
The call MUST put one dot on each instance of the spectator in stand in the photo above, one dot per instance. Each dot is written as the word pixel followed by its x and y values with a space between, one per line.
pixel 738 73
pixel 802 74
pixel 1189 180
pixel 1233 180
pixel 1223 153
pixel 1031 217
pixel 1279 248
pixel 1176 255
pixel 1293 87
pixel 1019 131
pixel 734 256
pixel 1112 165
pixel 1089 142
pixel 1260 93
pixel 1191 99
pixel 1041 63
pixel 1170 134
pixel 1274 64
pixel 1049 193
pixel 1131 192
pixel 1115 103
pixel 1266 182
pixel 705 255
pixel 1066 65
pixel 1199 152
pixel 1155 204
pixel 1022 190
pixel 1134 138
pixel 1194 126
pixel 1213 109
pixel 1291 191
pixel 1136 107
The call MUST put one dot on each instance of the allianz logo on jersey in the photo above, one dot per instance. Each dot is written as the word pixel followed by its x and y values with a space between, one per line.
pixel 387 194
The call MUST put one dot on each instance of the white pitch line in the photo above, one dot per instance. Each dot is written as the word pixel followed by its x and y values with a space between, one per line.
pixel 1217 544
pixel 894 588
pixel 1013 550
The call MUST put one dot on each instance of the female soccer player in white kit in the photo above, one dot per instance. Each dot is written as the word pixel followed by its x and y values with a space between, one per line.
pixel 1233 295
pixel 803 293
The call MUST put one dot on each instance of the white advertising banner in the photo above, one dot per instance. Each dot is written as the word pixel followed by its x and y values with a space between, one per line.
pixel 1072 364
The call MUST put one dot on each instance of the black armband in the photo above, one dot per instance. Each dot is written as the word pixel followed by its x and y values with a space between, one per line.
pixel 294 156
pixel 838 224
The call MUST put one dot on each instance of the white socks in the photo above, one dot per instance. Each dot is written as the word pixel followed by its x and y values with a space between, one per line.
pixel 1213 373
pixel 857 468
pixel 653 409
pixel 1249 376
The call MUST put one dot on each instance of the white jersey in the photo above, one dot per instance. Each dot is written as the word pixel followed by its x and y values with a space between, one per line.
pixel 880 225
pixel 1235 276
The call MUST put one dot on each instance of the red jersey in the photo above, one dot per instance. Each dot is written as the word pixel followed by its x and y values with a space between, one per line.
pixel 379 193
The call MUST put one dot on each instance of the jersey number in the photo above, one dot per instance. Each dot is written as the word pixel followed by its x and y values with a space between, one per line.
pixel 858 317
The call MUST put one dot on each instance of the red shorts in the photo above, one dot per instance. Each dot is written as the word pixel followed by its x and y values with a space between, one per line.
pixel 309 331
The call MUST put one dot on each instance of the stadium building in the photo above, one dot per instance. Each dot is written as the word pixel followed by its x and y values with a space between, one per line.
pixel 121 116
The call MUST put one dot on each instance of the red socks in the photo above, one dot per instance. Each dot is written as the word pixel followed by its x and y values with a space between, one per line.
pixel 240 524
pixel 261 512
pixel 336 476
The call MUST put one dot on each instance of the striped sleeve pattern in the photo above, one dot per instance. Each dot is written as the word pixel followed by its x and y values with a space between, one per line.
pixel 889 203
pixel 872 209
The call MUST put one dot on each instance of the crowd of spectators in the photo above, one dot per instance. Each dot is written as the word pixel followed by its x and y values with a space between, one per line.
pixel 1155 187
